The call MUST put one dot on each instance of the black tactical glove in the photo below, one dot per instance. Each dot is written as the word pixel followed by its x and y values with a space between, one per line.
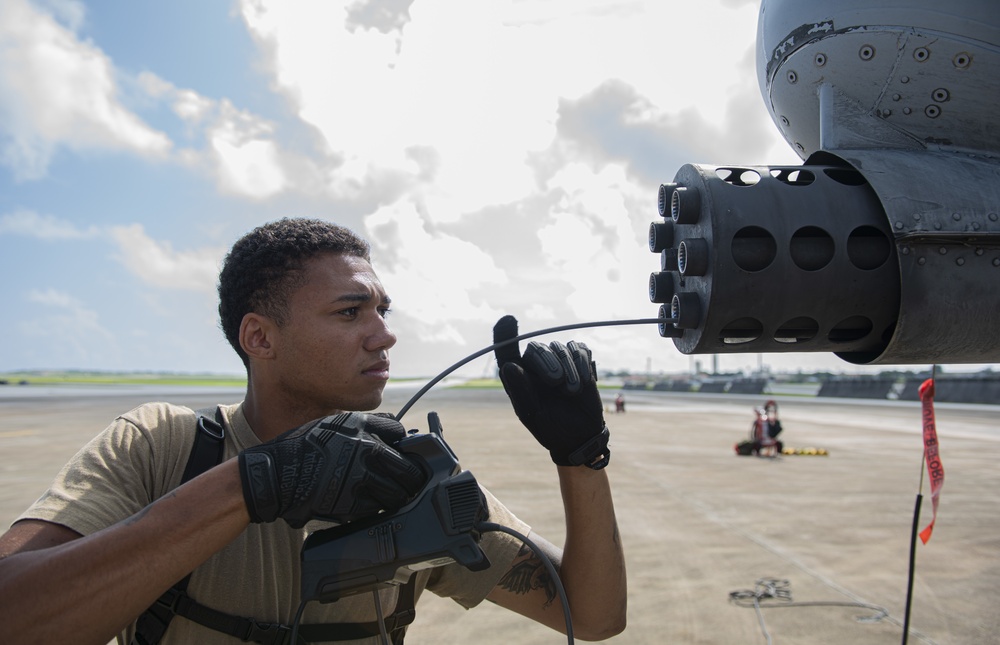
pixel 338 468
pixel 554 392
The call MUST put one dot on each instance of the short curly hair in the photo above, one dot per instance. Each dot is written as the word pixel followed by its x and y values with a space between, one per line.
pixel 266 265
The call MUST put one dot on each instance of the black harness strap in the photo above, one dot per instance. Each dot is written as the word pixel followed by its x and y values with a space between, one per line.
pixel 152 624
pixel 395 623
pixel 209 440
pixel 249 630
pixel 245 629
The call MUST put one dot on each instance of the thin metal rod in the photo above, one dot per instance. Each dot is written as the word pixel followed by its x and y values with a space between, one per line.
pixel 913 566
pixel 913 534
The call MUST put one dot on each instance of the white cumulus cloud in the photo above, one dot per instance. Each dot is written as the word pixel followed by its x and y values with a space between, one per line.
pixel 44 227
pixel 160 265
pixel 248 159
pixel 432 277
pixel 57 90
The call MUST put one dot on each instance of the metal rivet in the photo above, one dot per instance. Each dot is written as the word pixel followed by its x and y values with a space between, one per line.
pixel 996 262
pixel 896 97
pixel 975 226
pixel 956 216
pixel 792 76
pixel 932 111
pixel 943 250
pixel 916 216
pixel 960 261
pixel 899 225
pixel 993 217
pixel 979 251
pixel 937 226
pixel 867 52
pixel 940 95
pixel 904 79
pixel 921 261
pixel 962 60
pixel 820 60
pixel 907 110
pixel 800 146
pixel 905 250
pixel 784 120
pixel 920 54
pixel 886 112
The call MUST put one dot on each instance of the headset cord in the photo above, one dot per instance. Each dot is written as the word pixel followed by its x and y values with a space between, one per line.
pixel 294 636
pixel 381 617
pixel 540 332
pixel 485 527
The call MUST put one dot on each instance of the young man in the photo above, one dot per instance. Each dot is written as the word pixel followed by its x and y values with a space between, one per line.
pixel 301 305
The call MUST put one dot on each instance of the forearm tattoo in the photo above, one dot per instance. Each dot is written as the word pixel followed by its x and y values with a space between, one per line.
pixel 528 573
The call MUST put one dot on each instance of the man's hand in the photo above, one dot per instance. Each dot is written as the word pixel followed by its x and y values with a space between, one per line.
pixel 554 392
pixel 337 468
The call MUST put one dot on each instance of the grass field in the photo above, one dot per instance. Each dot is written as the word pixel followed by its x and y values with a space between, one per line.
pixel 115 378
pixel 55 377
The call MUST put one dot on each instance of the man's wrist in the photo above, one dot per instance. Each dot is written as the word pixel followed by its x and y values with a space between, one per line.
pixel 594 453
pixel 600 461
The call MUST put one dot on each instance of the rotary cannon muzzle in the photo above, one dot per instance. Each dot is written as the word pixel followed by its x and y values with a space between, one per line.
pixel 816 258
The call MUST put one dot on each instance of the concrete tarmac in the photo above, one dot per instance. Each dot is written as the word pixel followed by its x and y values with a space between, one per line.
pixel 698 523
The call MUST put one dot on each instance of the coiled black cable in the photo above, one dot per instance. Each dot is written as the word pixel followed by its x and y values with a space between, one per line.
pixel 780 590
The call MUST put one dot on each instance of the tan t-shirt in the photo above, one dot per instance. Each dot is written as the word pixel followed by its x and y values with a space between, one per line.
pixel 141 456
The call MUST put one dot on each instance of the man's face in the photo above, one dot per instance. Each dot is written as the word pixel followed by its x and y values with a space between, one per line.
pixel 333 352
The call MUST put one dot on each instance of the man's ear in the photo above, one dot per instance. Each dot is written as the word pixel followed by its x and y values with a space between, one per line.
pixel 257 336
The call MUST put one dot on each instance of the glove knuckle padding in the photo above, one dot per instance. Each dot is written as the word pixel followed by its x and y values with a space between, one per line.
pixel 324 470
pixel 571 376
pixel 389 469
pixel 385 428
pixel 582 360
pixel 544 363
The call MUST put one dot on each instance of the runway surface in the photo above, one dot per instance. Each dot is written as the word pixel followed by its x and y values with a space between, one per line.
pixel 698 523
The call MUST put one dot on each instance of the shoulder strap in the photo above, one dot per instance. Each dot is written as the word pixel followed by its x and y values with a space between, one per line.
pixel 209 440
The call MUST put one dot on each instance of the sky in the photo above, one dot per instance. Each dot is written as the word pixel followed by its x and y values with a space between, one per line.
pixel 501 156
